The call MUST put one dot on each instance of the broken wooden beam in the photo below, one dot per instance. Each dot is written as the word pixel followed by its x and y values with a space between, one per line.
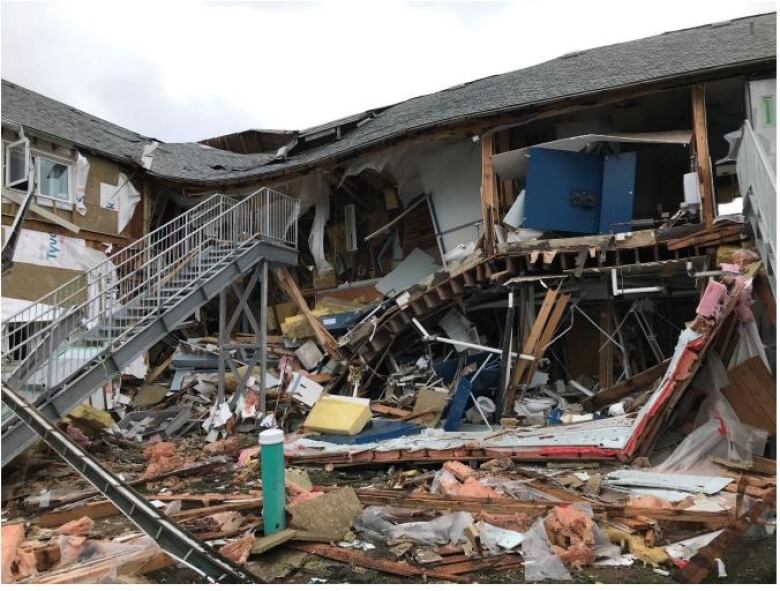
pixel 289 286
pixel 642 380
pixel 703 164
pixel 701 563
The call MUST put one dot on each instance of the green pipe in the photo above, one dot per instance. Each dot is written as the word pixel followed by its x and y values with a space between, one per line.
pixel 272 474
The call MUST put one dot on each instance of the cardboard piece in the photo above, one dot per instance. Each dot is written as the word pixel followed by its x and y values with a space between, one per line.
pixel 434 399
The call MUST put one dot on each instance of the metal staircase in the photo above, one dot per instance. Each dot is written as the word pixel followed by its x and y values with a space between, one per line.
pixel 67 344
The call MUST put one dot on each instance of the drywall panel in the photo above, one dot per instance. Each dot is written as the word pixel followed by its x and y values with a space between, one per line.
pixel 452 173
pixel 416 266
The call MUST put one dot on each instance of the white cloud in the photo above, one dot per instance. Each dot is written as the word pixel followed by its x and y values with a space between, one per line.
pixel 182 71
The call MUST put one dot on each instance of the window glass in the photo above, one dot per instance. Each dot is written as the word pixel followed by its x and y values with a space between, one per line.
pixel 16 165
pixel 768 104
pixel 53 178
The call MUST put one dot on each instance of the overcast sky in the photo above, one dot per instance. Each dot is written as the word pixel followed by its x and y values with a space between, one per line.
pixel 184 71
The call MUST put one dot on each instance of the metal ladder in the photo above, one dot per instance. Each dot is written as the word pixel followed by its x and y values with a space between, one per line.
pixel 67 344
pixel 173 540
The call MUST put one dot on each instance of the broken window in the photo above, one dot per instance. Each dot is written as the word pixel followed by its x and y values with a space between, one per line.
pixel 17 159
pixel 53 179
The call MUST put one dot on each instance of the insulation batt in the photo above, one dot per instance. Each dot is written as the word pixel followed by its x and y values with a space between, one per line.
pixel 17 562
pixel 519 522
pixel 571 535
pixel 299 494
pixel 648 502
pixel 161 458
pixel 238 550
pixel 458 469
pixel 711 302
pixel 76 527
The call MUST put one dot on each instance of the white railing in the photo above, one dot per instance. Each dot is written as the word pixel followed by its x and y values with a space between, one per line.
pixel 759 192
pixel 52 336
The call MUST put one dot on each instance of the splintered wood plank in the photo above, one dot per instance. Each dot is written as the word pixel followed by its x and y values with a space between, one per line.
pixel 289 286
pixel 640 381
pixel 488 196
pixel 529 345
pixel 702 562
pixel 548 333
pixel 101 509
pixel 703 164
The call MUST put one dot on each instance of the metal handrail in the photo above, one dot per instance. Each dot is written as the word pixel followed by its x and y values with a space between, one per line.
pixel 91 302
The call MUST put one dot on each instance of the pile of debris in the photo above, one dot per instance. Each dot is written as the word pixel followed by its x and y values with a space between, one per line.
pixel 532 479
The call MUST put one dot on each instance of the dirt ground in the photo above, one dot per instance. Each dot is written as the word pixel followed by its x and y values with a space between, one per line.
pixel 752 561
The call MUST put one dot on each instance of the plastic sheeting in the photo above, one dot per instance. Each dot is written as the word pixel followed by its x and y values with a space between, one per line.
pixel 447 529
pixel 122 198
pixel 313 191
pixel 378 523
pixel 749 345
pixel 82 173
pixel 497 540
pixel 541 563
pixel 54 250
pixel 719 432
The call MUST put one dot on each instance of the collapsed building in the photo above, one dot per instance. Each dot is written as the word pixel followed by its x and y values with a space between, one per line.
pixel 573 262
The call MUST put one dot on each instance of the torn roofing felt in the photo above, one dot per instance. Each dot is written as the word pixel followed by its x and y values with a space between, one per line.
pixel 717 46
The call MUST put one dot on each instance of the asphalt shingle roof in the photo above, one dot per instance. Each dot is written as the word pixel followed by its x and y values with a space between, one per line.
pixel 670 55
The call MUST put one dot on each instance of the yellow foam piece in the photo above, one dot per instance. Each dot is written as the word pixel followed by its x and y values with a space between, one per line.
pixel 339 415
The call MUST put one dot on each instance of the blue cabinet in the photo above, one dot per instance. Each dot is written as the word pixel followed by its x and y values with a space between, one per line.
pixel 579 193
pixel 617 193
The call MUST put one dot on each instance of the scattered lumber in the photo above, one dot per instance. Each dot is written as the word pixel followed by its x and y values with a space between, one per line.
pixel 701 563
pixel 359 558
pixel 101 509
pixel 719 234
pixel 137 482
pixel 400 498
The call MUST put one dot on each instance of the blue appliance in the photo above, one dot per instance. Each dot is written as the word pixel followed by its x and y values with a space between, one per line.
pixel 579 193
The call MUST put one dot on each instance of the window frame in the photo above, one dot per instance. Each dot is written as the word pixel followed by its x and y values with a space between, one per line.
pixel 38 156
pixel 27 165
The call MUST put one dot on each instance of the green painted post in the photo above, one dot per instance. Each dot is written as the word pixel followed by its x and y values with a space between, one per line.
pixel 272 474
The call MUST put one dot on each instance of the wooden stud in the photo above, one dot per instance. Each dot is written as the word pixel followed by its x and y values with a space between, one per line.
pixel 703 163
pixel 488 196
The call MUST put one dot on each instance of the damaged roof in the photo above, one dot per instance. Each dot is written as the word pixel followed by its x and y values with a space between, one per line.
pixel 744 41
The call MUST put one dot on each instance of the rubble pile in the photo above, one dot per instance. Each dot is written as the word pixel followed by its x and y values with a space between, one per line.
pixel 554 486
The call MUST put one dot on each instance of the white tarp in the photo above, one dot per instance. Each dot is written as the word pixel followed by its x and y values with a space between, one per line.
pixel 55 250
pixel 512 164
pixel 82 173
pixel 321 215
pixel 121 198
pixel 12 306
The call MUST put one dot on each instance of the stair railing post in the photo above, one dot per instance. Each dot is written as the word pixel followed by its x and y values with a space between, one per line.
pixel 263 333
pixel 221 343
